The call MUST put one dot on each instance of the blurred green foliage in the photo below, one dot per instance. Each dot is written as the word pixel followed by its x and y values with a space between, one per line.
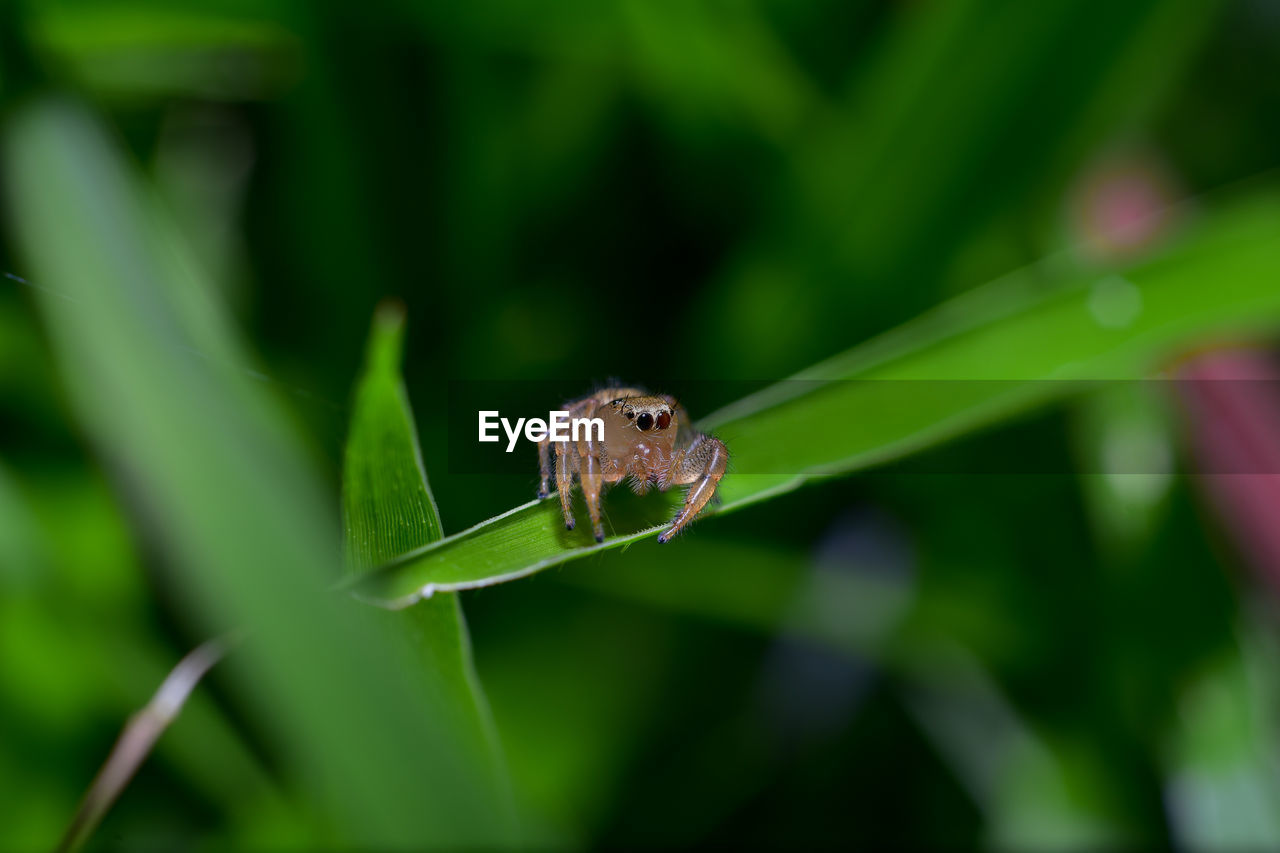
pixel 209 199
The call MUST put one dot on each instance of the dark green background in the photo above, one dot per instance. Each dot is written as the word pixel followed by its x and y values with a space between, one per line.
pixel 701 197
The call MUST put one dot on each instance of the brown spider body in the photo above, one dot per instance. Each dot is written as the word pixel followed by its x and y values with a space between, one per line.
pixel 648 439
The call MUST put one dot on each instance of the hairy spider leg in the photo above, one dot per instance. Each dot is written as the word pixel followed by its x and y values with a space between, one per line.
pixel 592 481
pixel 566 467
pixel 701 464
pixel 567 464
pixel 545 467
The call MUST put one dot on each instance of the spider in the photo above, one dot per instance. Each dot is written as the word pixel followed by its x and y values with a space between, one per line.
pixel 648 438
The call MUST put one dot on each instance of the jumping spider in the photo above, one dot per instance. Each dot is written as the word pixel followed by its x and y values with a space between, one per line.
pixel 647 438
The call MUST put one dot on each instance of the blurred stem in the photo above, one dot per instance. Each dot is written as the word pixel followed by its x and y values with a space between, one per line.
pixel 140 735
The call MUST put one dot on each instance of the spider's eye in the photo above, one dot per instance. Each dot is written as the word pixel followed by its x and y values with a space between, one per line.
pixel 629 415
pixel 664 420
pixel 645 421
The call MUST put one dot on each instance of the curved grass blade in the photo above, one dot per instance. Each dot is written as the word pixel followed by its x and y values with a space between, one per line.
pixel 387 505
pixel 388 509
pixel 1023 341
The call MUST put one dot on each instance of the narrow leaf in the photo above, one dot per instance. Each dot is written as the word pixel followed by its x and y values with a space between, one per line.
pixel 1023 341
pixel 387 510
pixel 387 505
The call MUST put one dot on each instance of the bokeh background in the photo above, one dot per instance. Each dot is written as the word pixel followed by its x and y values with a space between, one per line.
pixel 702 197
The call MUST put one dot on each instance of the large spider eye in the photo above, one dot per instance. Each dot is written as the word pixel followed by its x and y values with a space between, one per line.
pixel 645 421
pixel 664 420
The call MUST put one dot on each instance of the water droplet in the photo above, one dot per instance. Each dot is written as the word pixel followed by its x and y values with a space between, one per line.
pixel 1115 302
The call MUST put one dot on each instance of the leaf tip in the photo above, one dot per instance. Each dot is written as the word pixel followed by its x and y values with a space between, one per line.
pixel 389 315
pixel 386 337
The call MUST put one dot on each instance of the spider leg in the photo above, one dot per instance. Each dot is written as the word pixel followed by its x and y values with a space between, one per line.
pixel 544 467
pixel 701 465
pixel 566 464
pixel 592 480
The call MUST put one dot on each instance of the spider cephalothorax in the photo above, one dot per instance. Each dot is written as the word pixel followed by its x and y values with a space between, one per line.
pixel 649 439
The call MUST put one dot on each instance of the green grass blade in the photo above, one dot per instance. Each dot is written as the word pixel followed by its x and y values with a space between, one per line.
pixel 1022 341
pixel 388 509
pixel 387 506
pixel 219 482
